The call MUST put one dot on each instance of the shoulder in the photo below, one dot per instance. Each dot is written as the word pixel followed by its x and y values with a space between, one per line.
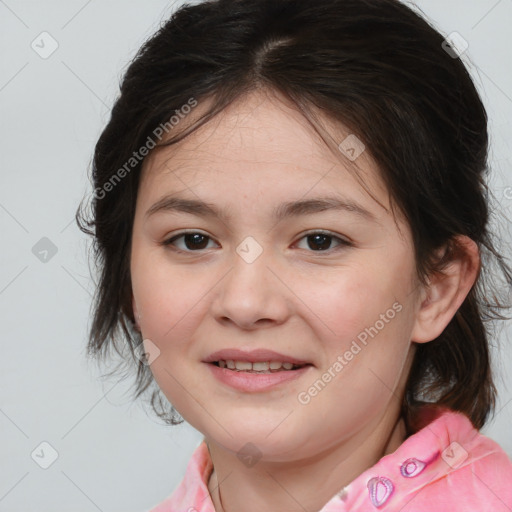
pixel 447 465
pixel 475 475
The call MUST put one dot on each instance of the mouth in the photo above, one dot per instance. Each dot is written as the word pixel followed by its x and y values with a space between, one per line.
pixel 257 370
pixel 257 376
pixel 260 367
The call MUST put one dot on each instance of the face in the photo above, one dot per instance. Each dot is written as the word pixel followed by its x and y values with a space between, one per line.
pixel 333 286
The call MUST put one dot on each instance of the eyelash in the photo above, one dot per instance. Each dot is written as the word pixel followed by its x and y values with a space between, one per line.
pixel 342 242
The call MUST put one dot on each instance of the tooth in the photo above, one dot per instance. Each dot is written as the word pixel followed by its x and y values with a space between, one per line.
pixel 263 366
pixel 260 366
pixel 243 365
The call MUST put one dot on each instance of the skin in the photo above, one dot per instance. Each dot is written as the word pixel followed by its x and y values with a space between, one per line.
pixel 294 298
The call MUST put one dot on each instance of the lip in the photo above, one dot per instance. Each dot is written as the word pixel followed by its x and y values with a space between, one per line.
pixel 254 382
pixel 254 356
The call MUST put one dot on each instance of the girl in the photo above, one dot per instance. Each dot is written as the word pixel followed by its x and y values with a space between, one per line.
pixel 291 222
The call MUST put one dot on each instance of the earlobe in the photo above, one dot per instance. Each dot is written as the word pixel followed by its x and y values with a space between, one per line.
pixel 446 291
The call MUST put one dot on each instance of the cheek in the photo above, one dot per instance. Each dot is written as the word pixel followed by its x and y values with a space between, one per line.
pixel 364 304
pixel 345 301
pixel 167 299
pixel 170 301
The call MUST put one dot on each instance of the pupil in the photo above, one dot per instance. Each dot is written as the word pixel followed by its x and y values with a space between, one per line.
pixel 320 240
pixel 195 239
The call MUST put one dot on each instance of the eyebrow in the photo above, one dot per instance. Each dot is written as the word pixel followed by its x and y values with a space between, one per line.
pixel 172 203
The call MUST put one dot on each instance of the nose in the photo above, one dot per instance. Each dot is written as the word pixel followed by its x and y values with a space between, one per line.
pixel 253 294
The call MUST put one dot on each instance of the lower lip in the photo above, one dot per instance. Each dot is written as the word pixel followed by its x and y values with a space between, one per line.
pixel 245 381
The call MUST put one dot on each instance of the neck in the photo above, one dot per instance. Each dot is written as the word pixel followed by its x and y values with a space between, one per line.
pixel 287 486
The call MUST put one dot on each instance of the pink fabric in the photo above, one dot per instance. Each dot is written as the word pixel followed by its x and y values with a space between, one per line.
pixel 447 466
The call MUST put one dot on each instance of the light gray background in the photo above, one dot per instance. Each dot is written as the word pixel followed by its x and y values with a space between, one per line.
pixel 112 455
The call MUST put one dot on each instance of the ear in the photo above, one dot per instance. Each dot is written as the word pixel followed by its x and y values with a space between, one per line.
pixel 446 291
pixel 136 314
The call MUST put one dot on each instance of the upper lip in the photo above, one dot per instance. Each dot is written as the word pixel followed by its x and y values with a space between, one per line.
pixel 254 356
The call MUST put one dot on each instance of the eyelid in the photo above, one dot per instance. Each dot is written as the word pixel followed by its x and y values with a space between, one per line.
pixel 169 241
pixel 344 241
pixel 342 238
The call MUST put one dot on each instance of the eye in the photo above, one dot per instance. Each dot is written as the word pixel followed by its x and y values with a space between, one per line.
pixel 320 241
pixel 192 240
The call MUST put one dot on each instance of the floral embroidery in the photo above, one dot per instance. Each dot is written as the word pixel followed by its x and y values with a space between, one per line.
pixel 380 489
pixel 412 467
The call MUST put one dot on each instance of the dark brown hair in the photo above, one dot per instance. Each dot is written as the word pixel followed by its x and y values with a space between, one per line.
pixel 374 66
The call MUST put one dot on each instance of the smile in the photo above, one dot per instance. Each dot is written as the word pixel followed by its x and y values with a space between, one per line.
pixel 244 376
pixel 257 367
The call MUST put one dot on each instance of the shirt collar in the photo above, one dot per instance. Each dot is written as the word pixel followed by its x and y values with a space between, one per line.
pixel 443 442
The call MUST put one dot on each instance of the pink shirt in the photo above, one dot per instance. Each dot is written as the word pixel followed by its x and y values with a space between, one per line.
pixel 446 466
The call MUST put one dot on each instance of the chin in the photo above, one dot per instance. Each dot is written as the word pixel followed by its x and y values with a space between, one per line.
pixel 259 441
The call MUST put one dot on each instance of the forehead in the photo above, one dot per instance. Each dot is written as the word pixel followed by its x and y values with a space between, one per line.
pixel 259 144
